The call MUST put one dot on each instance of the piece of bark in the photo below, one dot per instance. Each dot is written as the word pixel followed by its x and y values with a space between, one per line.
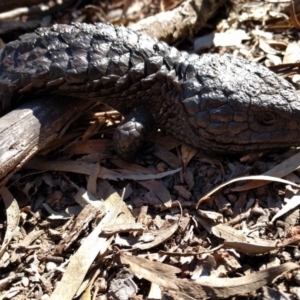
pixel 180 23
pixel 27 129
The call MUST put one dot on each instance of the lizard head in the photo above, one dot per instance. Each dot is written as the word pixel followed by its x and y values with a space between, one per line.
pixel 240 106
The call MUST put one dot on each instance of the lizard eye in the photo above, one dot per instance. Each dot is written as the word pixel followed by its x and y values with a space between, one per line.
pixel 267 118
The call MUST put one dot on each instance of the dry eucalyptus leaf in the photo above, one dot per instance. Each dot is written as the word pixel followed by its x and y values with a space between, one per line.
pixel 87 147
pixel 168 142
pixel 212 215
pixel 32 236
pixel 167 156
pixel 254 177
pixel 159 190
pixel 291 204
pixel 54 215
pixel 187 153
pixel 87 169
pixel 84 198
pixel 267 48
pixel 238 240
pixel 92 179
pixel 13 217
pixel 131 167
pixel 284 168
pixel 159 236
pixel 165 276
pixel 123 227
pixel 81 261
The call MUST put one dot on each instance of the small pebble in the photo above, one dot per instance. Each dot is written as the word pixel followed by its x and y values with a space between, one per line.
pixel 50 266
pixel 296 253
pixel 25 281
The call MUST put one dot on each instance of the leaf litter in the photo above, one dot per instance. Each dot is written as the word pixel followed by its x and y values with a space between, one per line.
pixel 92 226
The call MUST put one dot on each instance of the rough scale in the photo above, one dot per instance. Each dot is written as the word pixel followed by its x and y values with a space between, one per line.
pixel 218 103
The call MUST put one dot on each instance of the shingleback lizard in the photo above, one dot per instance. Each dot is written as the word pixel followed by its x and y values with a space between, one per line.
pixel 219 103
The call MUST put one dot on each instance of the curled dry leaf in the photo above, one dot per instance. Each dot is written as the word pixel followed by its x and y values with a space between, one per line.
pixel 159 236
pixel 165 276
pixel 291 204
pixel 267 47
pixel 286 167
pixel 237 240
pixel 257 177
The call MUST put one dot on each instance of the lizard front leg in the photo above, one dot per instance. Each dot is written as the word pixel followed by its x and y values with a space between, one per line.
pixel 131 133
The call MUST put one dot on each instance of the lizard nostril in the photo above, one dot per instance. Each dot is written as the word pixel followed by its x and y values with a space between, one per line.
pixel 267 118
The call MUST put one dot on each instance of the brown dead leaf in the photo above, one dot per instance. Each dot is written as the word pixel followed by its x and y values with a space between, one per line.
pixel 84 198
pixel 123 227
pixel 87 169
pixel 167 156
pixel 256 177
pixel 87 147
pixel 165 276
pixel 131 167
pixel 187 153
pixel 13 218
pixel 32 236
pixel 92 180
pixel 182 191
pixel 293 237
pixel 159 236
pixel 211 215
pixel 267 48
pixel 86 216
pixel 284 168
pixel 81 261
pixel 168 142
pixel 92 129
pixel 159 190
pixel 237 240
pixel 291 204
pixel 293 16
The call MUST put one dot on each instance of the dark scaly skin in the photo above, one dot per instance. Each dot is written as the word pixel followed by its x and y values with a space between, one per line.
pixel 217 103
